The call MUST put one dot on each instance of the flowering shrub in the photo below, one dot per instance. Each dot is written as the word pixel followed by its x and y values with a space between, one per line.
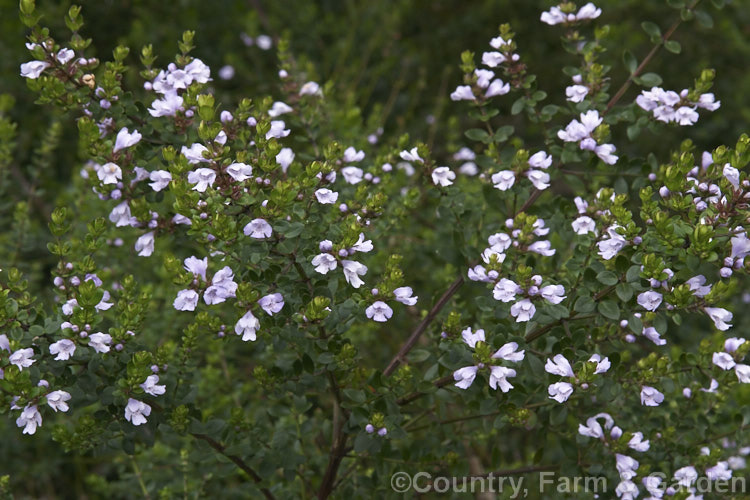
pixel 278 298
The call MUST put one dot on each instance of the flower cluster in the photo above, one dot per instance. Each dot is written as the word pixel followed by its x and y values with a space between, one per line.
pixel 484 358
pixel 565 14
pixel 670 107
pixel 215 291
pixel 330 257
pixel 559 365
pixel 537 164
pixel 583 132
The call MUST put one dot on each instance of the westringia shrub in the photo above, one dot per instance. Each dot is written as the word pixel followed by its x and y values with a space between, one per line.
pixel 271 300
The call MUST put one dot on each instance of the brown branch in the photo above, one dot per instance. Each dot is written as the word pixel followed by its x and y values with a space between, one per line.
pixel 420 329
pixel 237 461
pixel 338 445
pixel 625 86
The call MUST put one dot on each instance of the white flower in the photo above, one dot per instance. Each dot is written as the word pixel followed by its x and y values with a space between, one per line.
pixel 196 266
pixel 505 290
pixel 279 108
pixel 150 386
pixel 504 180
pixel 121 216
pixel 352 272
pixel 686 476
pixel 198 71
pixel 707 101
pixel 602 365
pixel 523 310
pixel 539 178
pixel 222 287
pixel 351 155
pixel 499 376
pixel 478 273
pixel 160 179
pixel 651 334
pixel 696 285
pixel 540 160
pixel 465 376
pixel 240 171
pixel 352 175
pixel 484 77
pixel 272 303
pixel 22 358
pixel 258 229
pixel 553 293
pixel 64 349
pixel 100 342
pixel 605 153
pixel 719 472
pixel 246 326
pixel 584 225
pixel 576 93
pixel 264 42
pixel 651 396
pixel 277 130
pixel 720 317
pixel 443 176
pixel 326 196
pixel 500 242
pixel 650 300
pixel 462 93
pixel 740 246
pixel 732 175
pixel 554 16
pixel 125 139
pixel 186 300
pixel 194 153
pixel 202 178
pixel 610 247
pixel 492 59
pixel 626 489
pixel 509 352
pixel 379 311
pixel 685 115
pixel 743 373
pixel 310 88
pixel 733 343
pixel 109 173
pixel 33 70
pixel 57 400
pixel 471 338
pixel 411 155
pixel 560 391
pixel 137 411
pixel 144 245
pixel 543 247
pixel 626 466
pixel 362 245
pixel 589 11
pixel 403 294
pixel 559 365
pixel 30 419
pixel 324 262
pixel 285 158
pixel 497 87
pixel 723 360
pixel 168 106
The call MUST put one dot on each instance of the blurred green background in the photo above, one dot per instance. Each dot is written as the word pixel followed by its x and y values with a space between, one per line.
pixel 396 60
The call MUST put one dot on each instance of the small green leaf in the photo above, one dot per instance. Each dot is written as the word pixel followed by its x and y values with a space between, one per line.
pixel 649 80
pixel 518 106
pixel 609 309
pixel 477 134
pixel 672 46
pixel 630 62
pixel 607 278
pixel 651 29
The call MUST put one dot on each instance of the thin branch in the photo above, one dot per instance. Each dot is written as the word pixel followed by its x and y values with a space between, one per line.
pixel 420 329
pixel 237 461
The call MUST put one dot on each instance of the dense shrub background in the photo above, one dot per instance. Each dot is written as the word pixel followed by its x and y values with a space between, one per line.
pixel 395 61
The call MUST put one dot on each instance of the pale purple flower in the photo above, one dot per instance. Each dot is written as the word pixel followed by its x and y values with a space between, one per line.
pixel 559 365
pixel 543 247
pixel 602 364
pixel 650 300
pixel 505 290
pixel 326 196
pixel 379 311
pixel 651 396
pixel 222 287
pixel 539 178
pixel 258 229
pixel 247 326
pixel 491 60
pixel 465 376
pixel 584 225
pixel 64 349
pixel 411 155
pixel 100 342
pixel 194 153
pixel 576 93
pixel 503 180
pixel 240 171
pixel 33 70
pixel 186 300
pixel 686 476
pixel 160 179
pixel 324 262
pixel 352 272
pixel 150 386
pixel 499 376
pixel 57 400
pixel 137 411
pixel 144 245
pixel 462 93
pixel 202 178
pixel 277 130
pixel 720 317
pixel 443 176
pixel 109 173
pixel 272 303
pixel 279 108
pixel 126 139
pixel 723 360
pixel 285 158
pixel 560 391
pixel 352 175
pixel 29 419
pixel 22 358
pixel 404 295
pixel 497 87
pixel 509 352
pixel 471 338
pixel 523 310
